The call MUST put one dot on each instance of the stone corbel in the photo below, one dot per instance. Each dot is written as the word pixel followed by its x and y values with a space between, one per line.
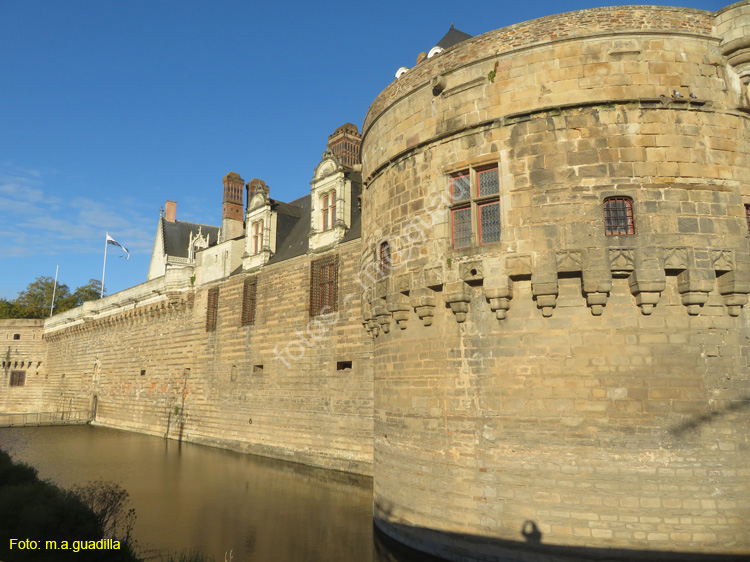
pixel 597 286
pixel 734 286
pixel 398 305
pixel 544 286
pixel 646 285
pixel 458 297
pixel 499 297
pixel 381 314
pixel 694 286
pixel 423 300
pixel 367 320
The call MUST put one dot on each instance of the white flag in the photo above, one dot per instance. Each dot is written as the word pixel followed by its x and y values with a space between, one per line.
pixel 114 242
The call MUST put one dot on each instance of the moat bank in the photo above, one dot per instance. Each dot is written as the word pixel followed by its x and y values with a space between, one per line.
pixel 191 497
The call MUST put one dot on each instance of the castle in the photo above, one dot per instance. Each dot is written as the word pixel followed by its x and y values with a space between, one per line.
pixel 523 314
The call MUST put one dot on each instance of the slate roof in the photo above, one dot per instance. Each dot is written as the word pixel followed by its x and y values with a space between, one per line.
pixel 453 37
pixel 177 236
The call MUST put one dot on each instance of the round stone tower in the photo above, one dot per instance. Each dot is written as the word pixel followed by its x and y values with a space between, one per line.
pixel 555 271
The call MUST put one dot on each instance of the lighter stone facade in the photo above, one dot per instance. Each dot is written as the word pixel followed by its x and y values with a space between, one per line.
pixel 545 316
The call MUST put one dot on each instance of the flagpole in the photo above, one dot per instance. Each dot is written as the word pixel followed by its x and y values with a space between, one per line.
pixel 54 290
pixel 105 265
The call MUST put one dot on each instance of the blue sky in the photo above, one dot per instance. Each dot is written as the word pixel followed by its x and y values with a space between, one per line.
pixel 109 108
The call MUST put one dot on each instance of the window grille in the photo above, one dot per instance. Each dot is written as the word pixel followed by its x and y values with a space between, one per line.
pixel 618 216
pixel 212 309
pixel 248 302
pixel 385 256
pixel 324 275
pixel 475 194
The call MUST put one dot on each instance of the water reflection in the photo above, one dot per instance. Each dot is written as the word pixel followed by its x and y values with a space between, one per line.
pixel 215 501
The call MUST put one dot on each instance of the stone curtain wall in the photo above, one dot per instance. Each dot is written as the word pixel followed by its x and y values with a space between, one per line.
pixel 27 354
pixel 229 387
pixel 562 387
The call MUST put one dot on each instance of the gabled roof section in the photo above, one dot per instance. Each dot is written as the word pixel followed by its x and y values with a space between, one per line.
pixel 453 37
pixel 177 236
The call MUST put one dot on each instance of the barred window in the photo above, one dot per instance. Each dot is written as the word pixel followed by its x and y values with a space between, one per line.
pixel 212 309
pixel 17 378
pixel 618 216
pixel 385 256
pixel 475 194
pixel 248 302
pixel 324 276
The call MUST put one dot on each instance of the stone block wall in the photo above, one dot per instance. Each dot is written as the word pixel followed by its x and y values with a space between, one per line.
pixel 23 349
pixel 563 388
pixel 279 387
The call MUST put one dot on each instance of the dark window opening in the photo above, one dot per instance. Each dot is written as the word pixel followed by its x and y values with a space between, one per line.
pixel 343 365
pixel 143 372
pixel 747 216
pixel 17 378
pixel 16 336
pixel 257 369
pixel 618 216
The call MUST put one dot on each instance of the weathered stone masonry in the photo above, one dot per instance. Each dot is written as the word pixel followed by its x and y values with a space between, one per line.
pixel 521 373
pixel 587 389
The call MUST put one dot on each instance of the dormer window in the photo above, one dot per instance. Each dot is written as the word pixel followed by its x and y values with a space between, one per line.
pixel 328 209
pixel 257 237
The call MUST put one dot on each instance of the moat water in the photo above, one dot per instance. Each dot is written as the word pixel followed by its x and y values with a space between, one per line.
pixel 223 504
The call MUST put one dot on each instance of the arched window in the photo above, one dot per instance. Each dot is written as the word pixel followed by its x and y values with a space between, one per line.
pixel 618 216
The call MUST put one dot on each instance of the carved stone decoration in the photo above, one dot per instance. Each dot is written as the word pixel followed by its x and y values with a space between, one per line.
pixel 423 300
pixel 722 260
pixel 676 258
pixel 734 286
pixel 381 315
pixel 646 285
pixel 518 266
pixel 621 261
pixel 402 283
pixel 694 286
pixel 569 261
pixel 458 297
pixel 471 271
pixel 499 297
pixel 433 276
pixel 399 307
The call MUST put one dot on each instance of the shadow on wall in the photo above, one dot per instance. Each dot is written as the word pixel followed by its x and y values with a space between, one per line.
pixel 387 548
pixel 699 420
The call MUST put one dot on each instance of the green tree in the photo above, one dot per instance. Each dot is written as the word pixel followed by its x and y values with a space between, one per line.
pixel 35 300
pixel 91 291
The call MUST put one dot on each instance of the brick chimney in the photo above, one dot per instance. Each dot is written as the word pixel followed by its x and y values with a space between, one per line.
pixel 232 223
pixel 170 211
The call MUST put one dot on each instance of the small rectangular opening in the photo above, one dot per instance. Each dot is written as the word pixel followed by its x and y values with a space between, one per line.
pixel 343 365
pixel 16 336
pixel 143 372
pixel 257 369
